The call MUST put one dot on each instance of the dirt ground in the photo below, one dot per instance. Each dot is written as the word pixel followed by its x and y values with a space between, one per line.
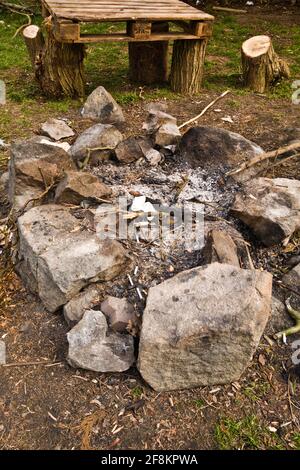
pixel 52 406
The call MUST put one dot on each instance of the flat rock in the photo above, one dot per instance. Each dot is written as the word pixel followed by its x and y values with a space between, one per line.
pixel 202 326
pixel 93 347
pixel 77 186
pixel 2 353
pixel 129 150
pixel 210 147
pixel 95 140
pixel 120 313
pixel 58 258
pixel 33 165
pixel 85 300
pixel 56 129
pixel 100 106
pixel 270 207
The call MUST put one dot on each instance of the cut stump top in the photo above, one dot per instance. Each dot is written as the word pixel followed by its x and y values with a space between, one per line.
pixel 124 10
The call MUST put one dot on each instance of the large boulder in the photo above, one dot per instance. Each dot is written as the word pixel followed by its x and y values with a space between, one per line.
pixel 202 326
pixel 56 129
pixel 96 140
pixel 100 106
pixel 77 186
pixel 210 147
pixel 93 347
pixel 270 207
pixel 33 166
pixel 58 258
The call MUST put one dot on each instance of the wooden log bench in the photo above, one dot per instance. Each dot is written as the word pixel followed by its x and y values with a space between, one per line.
pixel 150 26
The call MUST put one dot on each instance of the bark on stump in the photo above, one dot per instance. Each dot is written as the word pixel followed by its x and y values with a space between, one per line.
pixel 58 66
pixel 188 66
pixel 261 66
pixel 148 60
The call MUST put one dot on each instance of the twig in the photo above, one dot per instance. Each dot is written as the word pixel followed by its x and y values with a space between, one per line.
pixel 23 25
pixel 296 155
pixel 249 256
pixel 295 314
pixel 14 6
pixel 230 10
pixel 262 157
pixel 32 363
pixel 204 110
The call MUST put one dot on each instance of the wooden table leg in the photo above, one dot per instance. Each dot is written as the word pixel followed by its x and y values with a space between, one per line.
pixel 188 65
pixel 148 60
pixel 58 66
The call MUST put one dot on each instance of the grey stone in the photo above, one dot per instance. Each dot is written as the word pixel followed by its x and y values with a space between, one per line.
pixel 77 186
pixel 93 347
pixel 56 129
pixel 2 353
pixel 32 166
pixel 202 326
pixel 101 106
pixel 292 278
pixel 221 248
pixel 58 258
pixel 119 313
pixel 129 150
pixel 270 207
pixel 4 179
pixel 156 119
pixel 153 156
pixel 95 140
pixel 85 300
pixel 210 147
pixel 167 134
pixel 279 319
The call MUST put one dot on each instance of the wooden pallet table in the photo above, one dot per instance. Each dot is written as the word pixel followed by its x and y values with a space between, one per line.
pixel 150 26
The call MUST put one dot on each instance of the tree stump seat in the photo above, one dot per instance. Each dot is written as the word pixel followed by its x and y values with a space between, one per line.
pixel 150 26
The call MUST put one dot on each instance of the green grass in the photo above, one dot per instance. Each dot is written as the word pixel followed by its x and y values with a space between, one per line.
pixel 107 65
pixel 137 392
pixel 255 391
pixel 226 42
pixel 247 433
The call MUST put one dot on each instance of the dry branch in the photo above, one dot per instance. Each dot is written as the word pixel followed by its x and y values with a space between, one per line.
pixel 230 10
pixel 262 157
pixel 204 110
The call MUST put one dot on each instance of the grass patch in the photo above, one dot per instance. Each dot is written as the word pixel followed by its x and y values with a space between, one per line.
pixel 255 391
pixel 246 433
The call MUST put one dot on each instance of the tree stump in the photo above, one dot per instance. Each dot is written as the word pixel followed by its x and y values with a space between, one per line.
pixel 58 66
pixel 188 66
pixel 261 66
pixel 148 60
